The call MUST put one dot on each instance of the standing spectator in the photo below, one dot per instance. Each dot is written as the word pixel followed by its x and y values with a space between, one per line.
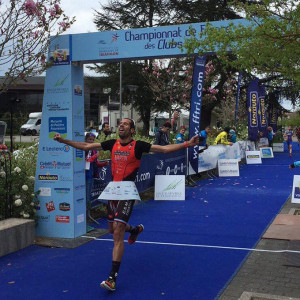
pixel 105 129
pixel 232 135
pixel 222 137
pixel 175 120
pixel 204 133
pixel 271 134
pixel 298 133
pixel 289 139
pixel 180 136
pixel 161 136
pixel 91 171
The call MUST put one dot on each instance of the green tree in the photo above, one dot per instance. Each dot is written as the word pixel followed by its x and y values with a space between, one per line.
pixel 269 46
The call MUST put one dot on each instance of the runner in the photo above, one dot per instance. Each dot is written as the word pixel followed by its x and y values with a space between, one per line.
pixel 126 155
pixel 289 136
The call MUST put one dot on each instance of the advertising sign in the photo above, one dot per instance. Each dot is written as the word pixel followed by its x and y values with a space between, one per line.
pixel 169 187
pixel 296 189
pixel 228 167
pixel 253 157
pixel 266 152
pixel 278 147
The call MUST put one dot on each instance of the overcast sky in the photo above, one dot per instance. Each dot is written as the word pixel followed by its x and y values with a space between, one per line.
pixel 83 10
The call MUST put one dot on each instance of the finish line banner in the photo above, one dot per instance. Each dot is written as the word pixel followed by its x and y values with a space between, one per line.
pixel 195 110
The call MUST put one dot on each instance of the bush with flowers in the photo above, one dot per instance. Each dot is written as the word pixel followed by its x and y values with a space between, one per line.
pixel 17 174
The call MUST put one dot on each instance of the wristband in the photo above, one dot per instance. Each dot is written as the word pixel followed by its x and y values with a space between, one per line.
pixel 186 145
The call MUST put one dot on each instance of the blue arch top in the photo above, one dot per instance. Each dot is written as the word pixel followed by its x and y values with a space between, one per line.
pixel 138 43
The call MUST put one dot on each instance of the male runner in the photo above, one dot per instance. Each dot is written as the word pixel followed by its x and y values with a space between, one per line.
pixel 126 155
pixel 289 139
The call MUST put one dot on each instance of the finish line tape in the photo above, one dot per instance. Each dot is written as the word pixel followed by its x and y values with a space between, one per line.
pixel 200 246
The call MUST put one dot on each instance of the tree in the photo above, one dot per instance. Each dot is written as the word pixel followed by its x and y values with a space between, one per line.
pixel 25 35
pixel 270 46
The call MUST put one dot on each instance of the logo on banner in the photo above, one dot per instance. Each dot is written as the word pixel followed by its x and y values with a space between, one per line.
pixel 64 206
pixel 253 109
pixel 62 190
pixel 58 106
pixel 48 177
pixel 78 90
pixel 60 56
pixel 50 206
pixel 58 87
pixel 57 125
pixel 78 155
pixel 55 151
pixel 262 112
pixel 43 218
pixel 62 219
pixel 109 47
pixel 54 165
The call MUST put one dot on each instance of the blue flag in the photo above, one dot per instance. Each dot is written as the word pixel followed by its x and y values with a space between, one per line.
pixel 195 110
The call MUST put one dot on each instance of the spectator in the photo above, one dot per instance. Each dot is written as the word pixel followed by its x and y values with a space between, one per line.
pixel 271 134
pixel 105 129
pixel 161 137
pixel 204 133
pixel 180 136
pixel 298 133
pixel 222 137
pixel 232 135
pixel 175 120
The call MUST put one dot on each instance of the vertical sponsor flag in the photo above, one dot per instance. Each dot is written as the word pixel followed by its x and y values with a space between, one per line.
pixel 237 97
pixel 272 112
pixel 195 109
pixel 262 114
pixel 252 105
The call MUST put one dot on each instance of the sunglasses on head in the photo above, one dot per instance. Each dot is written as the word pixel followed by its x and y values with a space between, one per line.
pixel 90 134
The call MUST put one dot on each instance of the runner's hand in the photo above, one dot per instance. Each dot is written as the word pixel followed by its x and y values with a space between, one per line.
pixel 58 138
pixel 194 141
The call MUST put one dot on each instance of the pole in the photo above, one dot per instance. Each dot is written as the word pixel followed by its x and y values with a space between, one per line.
pixel 131 106
pixel 11 127
pixel 120 90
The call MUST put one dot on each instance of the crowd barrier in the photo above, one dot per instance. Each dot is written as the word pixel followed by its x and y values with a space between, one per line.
pixel 173 164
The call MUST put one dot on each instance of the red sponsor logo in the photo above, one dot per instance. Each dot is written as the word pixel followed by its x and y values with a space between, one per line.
pixel 62 219
pixel 50 206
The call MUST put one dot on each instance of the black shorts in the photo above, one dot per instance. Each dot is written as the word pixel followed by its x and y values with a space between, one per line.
pixel 120 210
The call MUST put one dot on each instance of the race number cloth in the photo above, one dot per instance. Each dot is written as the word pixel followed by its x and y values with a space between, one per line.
pixel 121 191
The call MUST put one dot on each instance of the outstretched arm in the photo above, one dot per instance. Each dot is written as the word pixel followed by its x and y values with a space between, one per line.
pixel 175 147
pixel 78 145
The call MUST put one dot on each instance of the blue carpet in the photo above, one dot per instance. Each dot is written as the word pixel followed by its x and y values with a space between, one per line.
pixel 232 212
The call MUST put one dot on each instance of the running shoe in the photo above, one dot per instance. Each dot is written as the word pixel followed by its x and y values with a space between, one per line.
pixel 133 236
pixel 109 284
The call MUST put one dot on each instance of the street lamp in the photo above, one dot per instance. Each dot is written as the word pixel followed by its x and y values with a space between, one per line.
pixel 13 100
pixel 132 89
pixel 107 91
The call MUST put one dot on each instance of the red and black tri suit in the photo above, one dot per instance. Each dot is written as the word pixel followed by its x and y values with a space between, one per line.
pixel 125 163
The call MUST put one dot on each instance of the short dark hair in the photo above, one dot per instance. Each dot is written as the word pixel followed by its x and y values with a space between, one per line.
pixel 132 123
pixel 103 125
pixel 167 124
pixel 227 129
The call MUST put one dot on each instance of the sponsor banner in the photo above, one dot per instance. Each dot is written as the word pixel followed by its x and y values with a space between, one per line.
pixel 138 43
pixel 278 147
pixel 262 112
pixel 120 190
pixel 62 219
pixel 169 187
pixel 45 191
pixel 272 110
pixel 228 167
pixel 296 189
pixel 266 152
pixel 263 142
pixel 195 110
pixel 252 105
pixel 253 157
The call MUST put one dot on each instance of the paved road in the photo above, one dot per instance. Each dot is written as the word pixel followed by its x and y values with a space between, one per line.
pixel 23 139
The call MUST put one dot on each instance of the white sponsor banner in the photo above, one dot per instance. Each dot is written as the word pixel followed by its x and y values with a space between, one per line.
pixel 296 189
pixel 266 152
pixel 45 191
pixel 228 167
pixel 278 147
pixel 169 187
pixel 263 142
pixel 120 190
pixel 253 157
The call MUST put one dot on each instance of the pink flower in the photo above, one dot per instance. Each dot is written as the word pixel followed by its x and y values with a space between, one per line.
pixel 184 96
pixel 52 12
pixel 63 25
pixel 57 9
pixel 30 7
pixel 171 98
pixel 154 72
